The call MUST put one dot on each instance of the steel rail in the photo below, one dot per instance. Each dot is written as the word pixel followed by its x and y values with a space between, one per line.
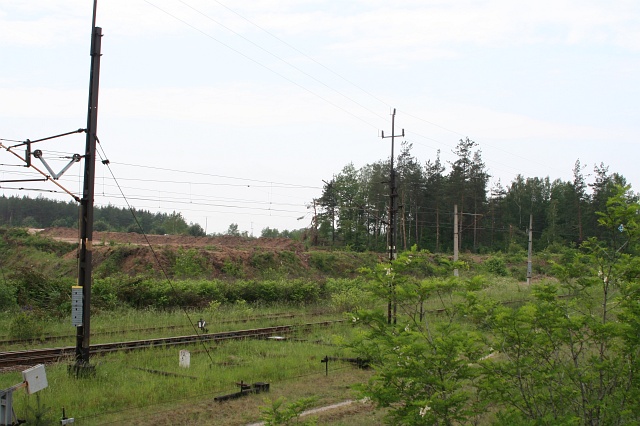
pixel 50 338
pixel 49 355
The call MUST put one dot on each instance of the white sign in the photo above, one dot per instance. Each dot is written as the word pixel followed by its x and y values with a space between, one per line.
pixel 35 378
pixel 185 358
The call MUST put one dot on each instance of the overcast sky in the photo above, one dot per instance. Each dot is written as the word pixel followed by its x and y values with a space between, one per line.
pixel 234 112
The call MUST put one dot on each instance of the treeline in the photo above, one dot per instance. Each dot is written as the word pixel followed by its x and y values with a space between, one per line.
pixel 353 210
pixel 45 213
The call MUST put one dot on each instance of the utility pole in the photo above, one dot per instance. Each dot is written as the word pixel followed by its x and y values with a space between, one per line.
pixel 530 256
pixel 83 331
pixel 393 210
pixel 455 237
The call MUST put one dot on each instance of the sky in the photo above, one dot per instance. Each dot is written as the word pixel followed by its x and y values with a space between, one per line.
pixel 236 112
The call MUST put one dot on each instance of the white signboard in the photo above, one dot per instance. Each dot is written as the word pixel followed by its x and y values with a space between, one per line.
pixel 185 358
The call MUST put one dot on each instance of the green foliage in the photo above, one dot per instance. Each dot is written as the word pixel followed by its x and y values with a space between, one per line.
pixel 26 325
pixel 7 295
pixel 322 261
pixel 35 290
pixel 348 295
pixel 189 263
pixel 40 415
pixel 552 360
pixel 104 293
pixel 44 213
pixel 263 260
pixel 496 265
pixel 278 413
pixel 232 269
pixel 115 258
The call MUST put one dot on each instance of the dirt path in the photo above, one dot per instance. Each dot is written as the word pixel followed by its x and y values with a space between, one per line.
pixel 317 410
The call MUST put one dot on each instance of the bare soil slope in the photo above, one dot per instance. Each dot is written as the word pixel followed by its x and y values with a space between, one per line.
pixel 137 253
pixel 226 241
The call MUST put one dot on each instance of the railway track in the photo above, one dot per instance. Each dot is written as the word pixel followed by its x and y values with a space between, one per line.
pixel 52 338
pixel 43 356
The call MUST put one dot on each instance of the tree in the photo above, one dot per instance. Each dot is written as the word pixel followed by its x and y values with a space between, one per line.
pixel 233 230
pixel 195 230
pixel 269 233
pixel 422 368
pixel 467 184
pixel 576 360
pixel 579 187
pixel 434 192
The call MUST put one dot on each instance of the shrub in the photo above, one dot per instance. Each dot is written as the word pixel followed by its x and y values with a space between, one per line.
pixel 189 263
pixel 262 260
pixel 104 293
pixel 26 325
pixel 497 266
pixel 43 293
pixel 7 296
pixel 232 269
pixel 324 262
pixel 349 299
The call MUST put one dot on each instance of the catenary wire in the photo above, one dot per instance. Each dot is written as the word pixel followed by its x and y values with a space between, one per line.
pixel 305 55
pixel 283 60
pixel 153 251
pixel 306 89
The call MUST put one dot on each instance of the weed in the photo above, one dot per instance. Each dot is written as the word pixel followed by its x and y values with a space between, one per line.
pixel 278 413
pixel 232 269
pixel 496 265
pixel 189 263
pixel 26 325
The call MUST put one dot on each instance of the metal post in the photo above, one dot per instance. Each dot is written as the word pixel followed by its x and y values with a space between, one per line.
pixel 530 256
pixel 393 210
pixel 455 237
pixel 86 203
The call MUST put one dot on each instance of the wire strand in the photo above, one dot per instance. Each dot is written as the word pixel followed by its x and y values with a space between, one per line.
pixel 155 255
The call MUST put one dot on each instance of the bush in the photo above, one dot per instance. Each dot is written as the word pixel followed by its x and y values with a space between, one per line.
pixel 104 293
pixel 189 263
pixel 34 289
pixel 7 296
pixel 497 266
pixel 350 299
pixel 26 325
pixel 324 262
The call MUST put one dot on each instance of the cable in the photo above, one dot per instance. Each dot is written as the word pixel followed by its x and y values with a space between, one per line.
pixel 283 60
pixel 305 55
pixel 284 185
pixel 155 255
pixel 263 66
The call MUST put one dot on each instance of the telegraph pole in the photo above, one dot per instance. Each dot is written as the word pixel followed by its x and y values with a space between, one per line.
pixel 530 253
pixel 86 204
pixel 455 238
pixel 393 210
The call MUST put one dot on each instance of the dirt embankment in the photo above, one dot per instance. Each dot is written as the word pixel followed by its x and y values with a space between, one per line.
pixel 226 241
pixel 133 253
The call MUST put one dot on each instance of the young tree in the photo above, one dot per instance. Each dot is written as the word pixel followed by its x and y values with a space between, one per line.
pixel 424 370
pixel 576 360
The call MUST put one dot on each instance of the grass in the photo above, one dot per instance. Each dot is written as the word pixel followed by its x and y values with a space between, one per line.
pixel 125 322
pixel 124 384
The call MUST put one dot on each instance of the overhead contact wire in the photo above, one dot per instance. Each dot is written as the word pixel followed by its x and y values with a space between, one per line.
pixel 263 66
pixel 155 255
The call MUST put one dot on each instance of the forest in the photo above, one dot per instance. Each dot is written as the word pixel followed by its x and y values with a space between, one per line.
pixel 45 213
pixel 353 210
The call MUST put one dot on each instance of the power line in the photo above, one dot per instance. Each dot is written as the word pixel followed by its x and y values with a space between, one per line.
pixel 284 185
pixel 306 56
pixel 283 60
pixel 263 65
pixel 155 255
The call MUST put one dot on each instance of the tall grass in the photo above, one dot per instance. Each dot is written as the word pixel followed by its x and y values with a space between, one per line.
pixel 125 380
